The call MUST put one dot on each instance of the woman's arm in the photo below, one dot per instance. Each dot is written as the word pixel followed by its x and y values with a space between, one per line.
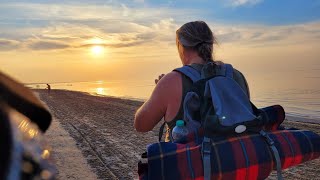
pixel 154 109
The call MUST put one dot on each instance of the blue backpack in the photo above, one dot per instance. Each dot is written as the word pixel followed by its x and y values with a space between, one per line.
pixel 220 106
pixel 218 103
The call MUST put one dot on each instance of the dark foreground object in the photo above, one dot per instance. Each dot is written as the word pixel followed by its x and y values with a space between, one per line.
pixel 23 119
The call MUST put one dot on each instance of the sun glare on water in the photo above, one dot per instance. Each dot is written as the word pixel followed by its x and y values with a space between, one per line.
pixel 100 91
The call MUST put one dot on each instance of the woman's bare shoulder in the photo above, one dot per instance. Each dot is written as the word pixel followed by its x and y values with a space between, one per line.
pixel 151 112
pixel 172 78
pixel 168 88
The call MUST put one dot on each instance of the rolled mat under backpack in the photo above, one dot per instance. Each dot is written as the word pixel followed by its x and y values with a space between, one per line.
pixel 241 157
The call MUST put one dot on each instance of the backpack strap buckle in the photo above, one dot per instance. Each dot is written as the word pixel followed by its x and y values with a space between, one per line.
pixel 206 145
pixel 267 138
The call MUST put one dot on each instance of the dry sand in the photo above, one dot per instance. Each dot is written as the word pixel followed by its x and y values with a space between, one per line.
pixel 102 129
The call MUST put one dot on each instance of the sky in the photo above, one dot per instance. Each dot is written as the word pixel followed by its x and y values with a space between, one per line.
pixel 66 41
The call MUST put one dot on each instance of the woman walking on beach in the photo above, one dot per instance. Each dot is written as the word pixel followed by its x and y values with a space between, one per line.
pixel 195 42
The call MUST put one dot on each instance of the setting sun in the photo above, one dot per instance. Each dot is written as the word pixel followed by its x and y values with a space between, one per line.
pixel 97 50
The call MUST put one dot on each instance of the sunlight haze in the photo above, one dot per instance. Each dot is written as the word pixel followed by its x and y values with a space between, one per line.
pixel 119 40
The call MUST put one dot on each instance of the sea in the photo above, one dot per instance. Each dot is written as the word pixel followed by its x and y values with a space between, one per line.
pixel 298 92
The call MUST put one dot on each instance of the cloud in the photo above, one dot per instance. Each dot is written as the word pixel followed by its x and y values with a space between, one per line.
pixel 47 45
pixel 154 34
pixel 125 11
pixel 60 26
pixel 138 1
pixel 66 12
pixel 59 36
pixel 63 26
pixel 268 35
pixel 114 44
pixel 159 34
pixel 7 45
pixel 236 3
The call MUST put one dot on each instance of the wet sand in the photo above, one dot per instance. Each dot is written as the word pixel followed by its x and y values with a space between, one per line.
pixel 66 154
pixel 102 128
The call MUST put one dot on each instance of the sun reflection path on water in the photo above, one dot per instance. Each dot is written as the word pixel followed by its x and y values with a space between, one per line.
pixel 100 91
pixel 103 91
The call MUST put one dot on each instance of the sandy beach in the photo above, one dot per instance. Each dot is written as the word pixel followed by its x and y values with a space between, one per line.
pixel 108 147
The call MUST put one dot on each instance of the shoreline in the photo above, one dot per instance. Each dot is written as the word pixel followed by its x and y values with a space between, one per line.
pixel 95 94
pixel 288 117
pixel 102 127
pixel 302 119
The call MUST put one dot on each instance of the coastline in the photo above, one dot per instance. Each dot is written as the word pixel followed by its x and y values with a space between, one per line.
pixel 102 127
pixel 302 119
pixel 288 117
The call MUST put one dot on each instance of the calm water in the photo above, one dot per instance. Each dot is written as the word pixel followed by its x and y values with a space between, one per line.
pixel 297 92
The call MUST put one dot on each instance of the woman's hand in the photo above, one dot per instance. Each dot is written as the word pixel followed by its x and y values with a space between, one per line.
pixel 157 80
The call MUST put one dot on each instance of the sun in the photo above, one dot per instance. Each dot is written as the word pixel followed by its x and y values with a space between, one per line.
pixel 97 50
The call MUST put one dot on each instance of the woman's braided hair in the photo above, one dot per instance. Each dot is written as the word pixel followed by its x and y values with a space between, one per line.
pixel 198 36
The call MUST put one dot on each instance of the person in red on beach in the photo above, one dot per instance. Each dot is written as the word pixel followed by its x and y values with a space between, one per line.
pixel 195 42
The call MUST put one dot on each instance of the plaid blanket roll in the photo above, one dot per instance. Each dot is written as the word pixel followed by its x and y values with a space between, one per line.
pixel 242 157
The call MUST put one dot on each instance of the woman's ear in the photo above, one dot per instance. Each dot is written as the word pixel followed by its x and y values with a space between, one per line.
pixel 181 53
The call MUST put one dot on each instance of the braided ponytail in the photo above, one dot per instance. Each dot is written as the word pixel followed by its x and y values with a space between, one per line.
pixel 205 51
pixel 198 36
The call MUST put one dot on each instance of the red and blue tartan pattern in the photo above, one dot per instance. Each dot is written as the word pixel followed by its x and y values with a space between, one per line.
pixel 240 157
pixel 235 157
pixel 276 114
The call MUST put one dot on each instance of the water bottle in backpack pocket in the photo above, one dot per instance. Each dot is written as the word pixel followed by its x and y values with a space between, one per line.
pixel 179 131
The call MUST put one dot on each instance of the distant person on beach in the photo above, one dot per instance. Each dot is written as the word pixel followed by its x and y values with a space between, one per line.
pixel 194 42
pixel 49 88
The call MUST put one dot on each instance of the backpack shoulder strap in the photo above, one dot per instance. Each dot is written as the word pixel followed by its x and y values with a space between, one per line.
pixel 225 70
pixel 190 72
pixel 228 70
pixel 195 75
